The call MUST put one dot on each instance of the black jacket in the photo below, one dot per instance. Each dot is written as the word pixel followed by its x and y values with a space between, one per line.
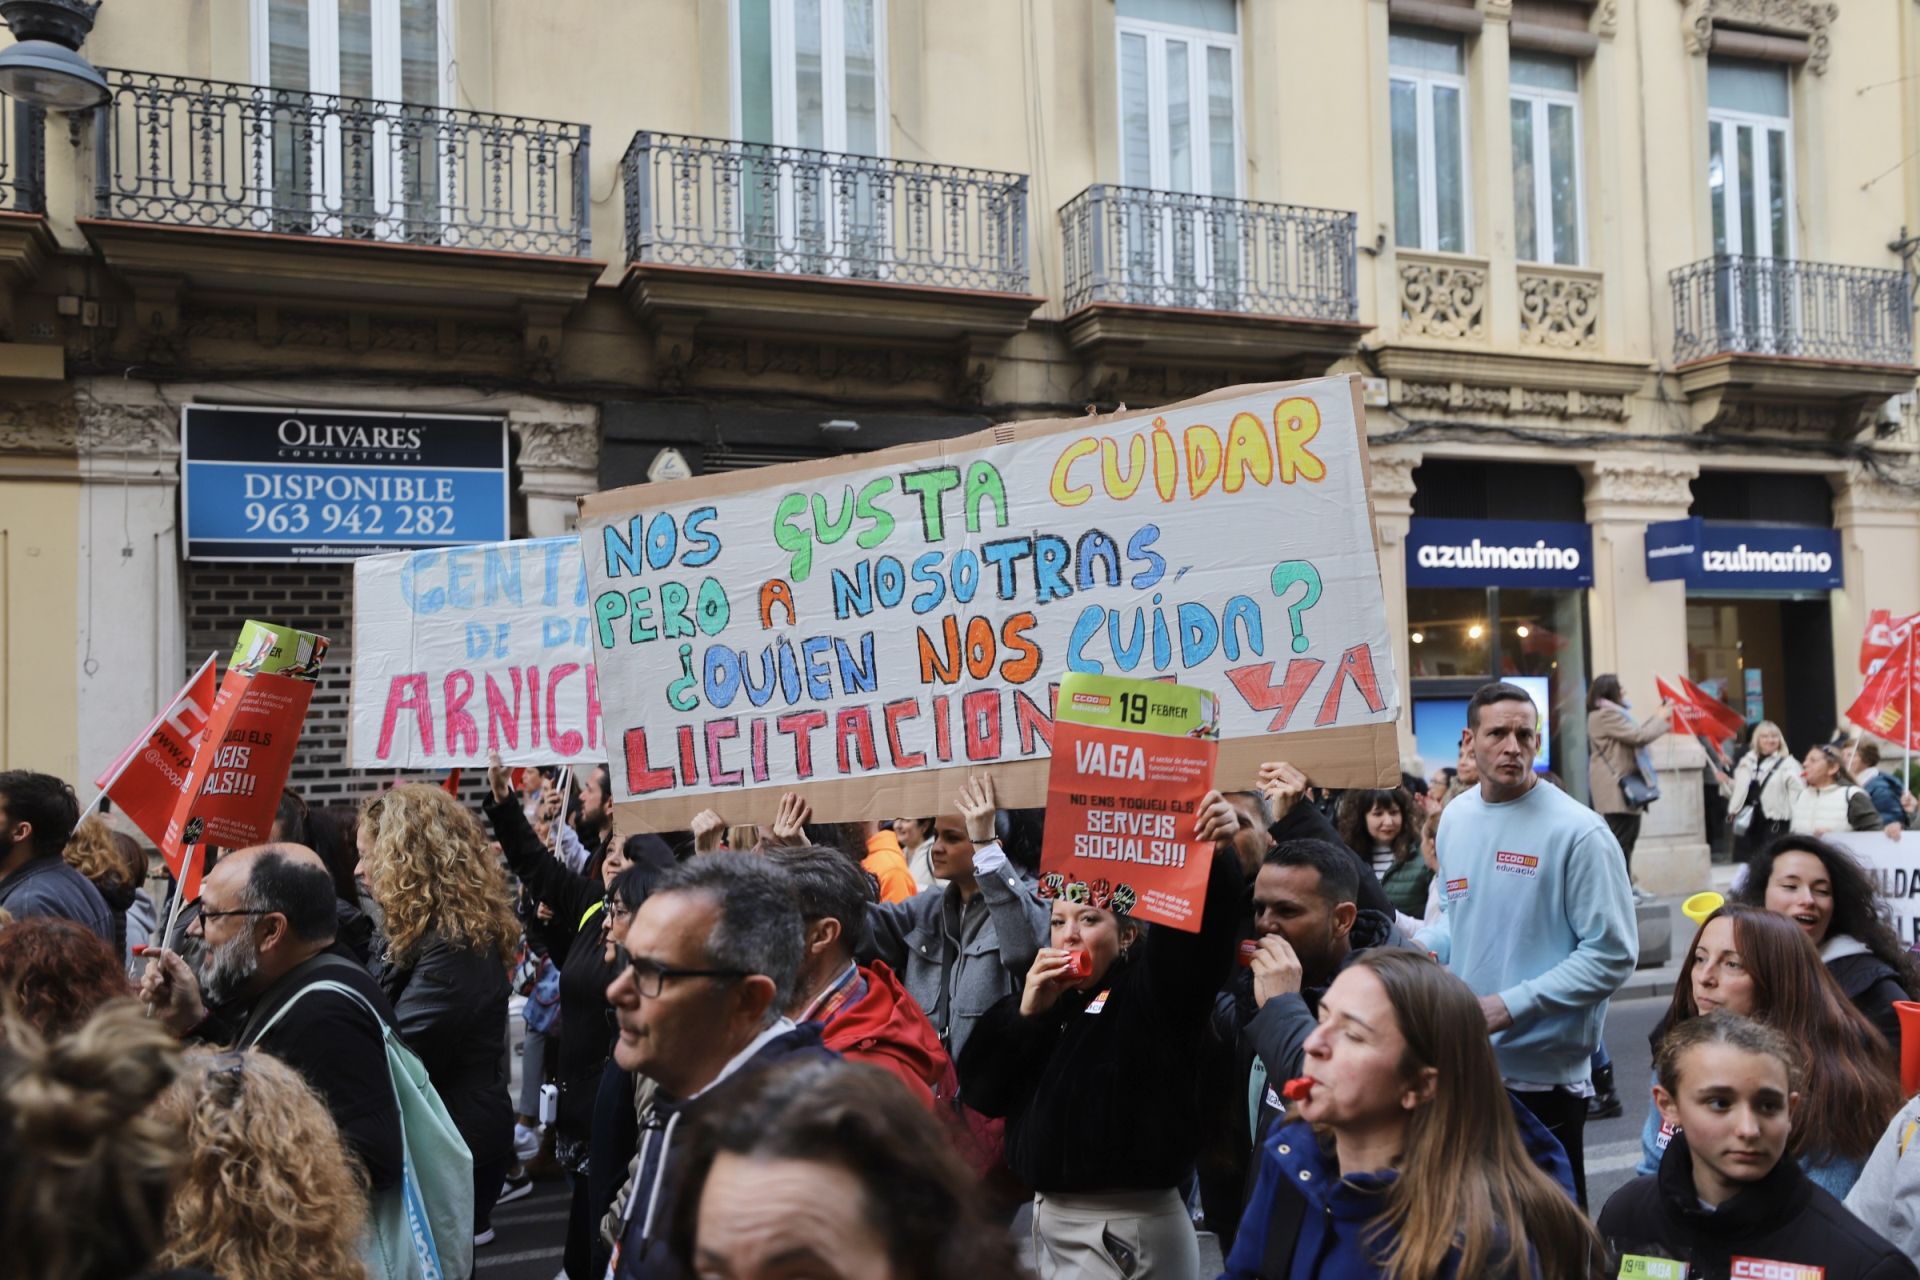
pixel 1103 1091
pixel 664 1138
pixel 328 1039
pixel 450 1005
pixel 1305 822
pixel 1781 1218
pixel 545 878
pixel 1873 985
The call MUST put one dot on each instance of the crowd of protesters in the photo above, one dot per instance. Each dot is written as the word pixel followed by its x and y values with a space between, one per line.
pixel 868 1049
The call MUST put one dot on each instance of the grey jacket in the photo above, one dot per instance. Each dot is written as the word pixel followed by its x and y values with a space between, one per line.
pixel 958 958
pixel 47 886
pixel 1886 1196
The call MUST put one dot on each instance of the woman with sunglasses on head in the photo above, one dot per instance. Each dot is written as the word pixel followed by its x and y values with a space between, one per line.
pixel 1096 1067
pixel 1830 801
pixel 1404 1157
pixel 1728 1200
pixel 1755 963
pixel 1823 890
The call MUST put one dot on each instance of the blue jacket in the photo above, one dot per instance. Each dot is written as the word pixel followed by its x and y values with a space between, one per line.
pixel 1884 790
pixel 47 886
pixel 1331 1243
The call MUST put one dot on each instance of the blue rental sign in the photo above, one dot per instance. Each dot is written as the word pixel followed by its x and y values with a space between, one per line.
pixel 1743 557
pixel 320 484
pixel 1499 553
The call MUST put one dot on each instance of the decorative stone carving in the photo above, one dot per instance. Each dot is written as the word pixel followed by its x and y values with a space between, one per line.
pixel 51 427
pixel 1456 397
pixel 223 324
pixel 1606 19
pixel 1646 482
pixel 1393 476
pixel 1559 310
pixel 1808 19
pixel 1870 487
pixel 128 429
pixel 1443 300
pixel 314 329
pixel 573 446
pixel 419 337
pixel 1751 417
pixel 1554 404
pixel 1496 10
pixel 488 340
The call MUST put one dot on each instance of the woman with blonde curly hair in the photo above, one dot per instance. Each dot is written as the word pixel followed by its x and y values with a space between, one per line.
pixel 450 934
pixel 268 1192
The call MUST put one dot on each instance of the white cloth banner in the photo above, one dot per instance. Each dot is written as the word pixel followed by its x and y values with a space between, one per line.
pixel 1895 868
pixel 463 650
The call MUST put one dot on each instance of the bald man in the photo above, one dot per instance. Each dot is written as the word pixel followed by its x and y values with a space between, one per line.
pixel 267 923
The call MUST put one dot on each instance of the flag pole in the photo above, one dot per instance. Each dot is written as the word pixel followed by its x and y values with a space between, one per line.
pixel 1906 724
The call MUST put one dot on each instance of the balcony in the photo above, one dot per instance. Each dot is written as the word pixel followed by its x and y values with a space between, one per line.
pixel 1781 344
pixel 725 238
pixel 208 187
pixel 1165 276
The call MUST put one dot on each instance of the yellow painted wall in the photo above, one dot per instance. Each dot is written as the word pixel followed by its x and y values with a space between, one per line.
pixel 39 574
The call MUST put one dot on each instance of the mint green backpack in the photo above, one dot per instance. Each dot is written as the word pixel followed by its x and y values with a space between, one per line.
pixel 421 1229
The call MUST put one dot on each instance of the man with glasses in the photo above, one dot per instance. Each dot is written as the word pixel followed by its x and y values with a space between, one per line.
pixel 712 956
pixel 267 924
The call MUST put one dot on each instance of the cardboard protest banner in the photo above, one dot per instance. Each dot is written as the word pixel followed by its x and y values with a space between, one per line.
pixel 150 776
pixel 467 650
pixel 848 628
pixel 1894 866
pixel 1132 759
pixel 242 763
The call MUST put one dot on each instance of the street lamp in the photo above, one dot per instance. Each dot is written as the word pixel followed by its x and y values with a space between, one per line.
pixel 44 67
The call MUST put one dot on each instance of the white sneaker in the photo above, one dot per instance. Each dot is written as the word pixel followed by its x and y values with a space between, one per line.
pixel 526 1143
pixel 484 1238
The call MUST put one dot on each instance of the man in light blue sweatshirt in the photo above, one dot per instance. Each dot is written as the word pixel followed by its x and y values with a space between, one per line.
pixel 1536 916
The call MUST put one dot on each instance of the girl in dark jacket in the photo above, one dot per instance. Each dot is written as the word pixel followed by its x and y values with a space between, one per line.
pixel 1725 1194
pixel 1404 1155
pixel 449 936
pixel 1096 1068
pixel 1822 889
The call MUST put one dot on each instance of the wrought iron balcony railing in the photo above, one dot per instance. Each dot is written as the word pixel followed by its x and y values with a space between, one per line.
pixel 23 157
pixel 1168 249
pixel 749 206
pixel 241 157
pixel 1783 307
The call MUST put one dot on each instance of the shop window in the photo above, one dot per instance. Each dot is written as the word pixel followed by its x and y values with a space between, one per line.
pixel 1545 111
pixel 1427 88
pixel 1461 489
pixel 1763 497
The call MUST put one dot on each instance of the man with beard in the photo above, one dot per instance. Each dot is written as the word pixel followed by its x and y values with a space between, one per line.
pixel 267 924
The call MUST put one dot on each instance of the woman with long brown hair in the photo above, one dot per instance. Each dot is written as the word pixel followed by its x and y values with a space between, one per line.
pixel 449 936
pixel 1404 1156
pixel 1758 964
pixel 1382 827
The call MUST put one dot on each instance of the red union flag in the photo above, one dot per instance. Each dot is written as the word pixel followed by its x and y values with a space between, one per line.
pixel 1697 712
pixel 1884 633
pixel 1886 700
pixel 151 775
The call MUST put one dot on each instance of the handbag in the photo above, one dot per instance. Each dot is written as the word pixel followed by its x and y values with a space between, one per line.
pixel 421 1229
pixel 1636 789
pixel 1743 820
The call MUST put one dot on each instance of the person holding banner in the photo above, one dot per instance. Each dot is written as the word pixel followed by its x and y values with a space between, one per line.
pixel 1096 1065
pixel 1892 801
pixel 1402 1154
pixel 1822 889
pixel 450 935
pixel 960 949
pixel 38 813
pixel 1761 792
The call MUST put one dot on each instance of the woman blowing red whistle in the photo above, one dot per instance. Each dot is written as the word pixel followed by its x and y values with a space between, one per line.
pixel 1095 1066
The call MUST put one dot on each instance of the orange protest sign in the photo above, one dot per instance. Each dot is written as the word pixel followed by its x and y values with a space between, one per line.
pixel 1132 760
pixel 151 775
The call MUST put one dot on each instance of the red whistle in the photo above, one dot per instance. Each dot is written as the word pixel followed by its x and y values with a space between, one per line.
pixel 1248 950
pixel 1297 1089
pixel 1080 964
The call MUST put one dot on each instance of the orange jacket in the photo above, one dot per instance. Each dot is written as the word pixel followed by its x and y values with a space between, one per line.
pixel 888 865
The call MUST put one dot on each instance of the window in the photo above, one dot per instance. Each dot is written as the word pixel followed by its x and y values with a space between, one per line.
pixel 810 74
pixel 377 170
pixel 1179 96
pixel 1545 108
pixel 1428 87
pixel 1749 170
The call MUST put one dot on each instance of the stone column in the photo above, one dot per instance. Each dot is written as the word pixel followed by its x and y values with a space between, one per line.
pixel 1392 490
pixel 1490 156
pixel 1879 526
pixel 1639 630
pixel 559 461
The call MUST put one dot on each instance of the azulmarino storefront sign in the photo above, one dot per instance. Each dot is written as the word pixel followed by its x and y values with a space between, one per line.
pixel 1499 553
pixel 1743 557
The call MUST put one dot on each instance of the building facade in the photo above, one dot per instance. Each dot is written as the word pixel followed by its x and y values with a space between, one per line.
pixel 1605 265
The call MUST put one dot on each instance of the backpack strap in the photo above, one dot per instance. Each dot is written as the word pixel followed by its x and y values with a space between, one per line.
pixel 251 1034
pixel 1283 1233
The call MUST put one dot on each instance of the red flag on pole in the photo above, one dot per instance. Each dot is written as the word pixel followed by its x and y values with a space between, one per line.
pixel 1884 633
pixel 1729 721
pixel 1687 720
pixel 1885 705
pixel 451 783
pixel 150 776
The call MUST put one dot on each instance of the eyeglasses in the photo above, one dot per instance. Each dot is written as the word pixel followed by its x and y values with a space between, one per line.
pixel 651 977
pixel 243 911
